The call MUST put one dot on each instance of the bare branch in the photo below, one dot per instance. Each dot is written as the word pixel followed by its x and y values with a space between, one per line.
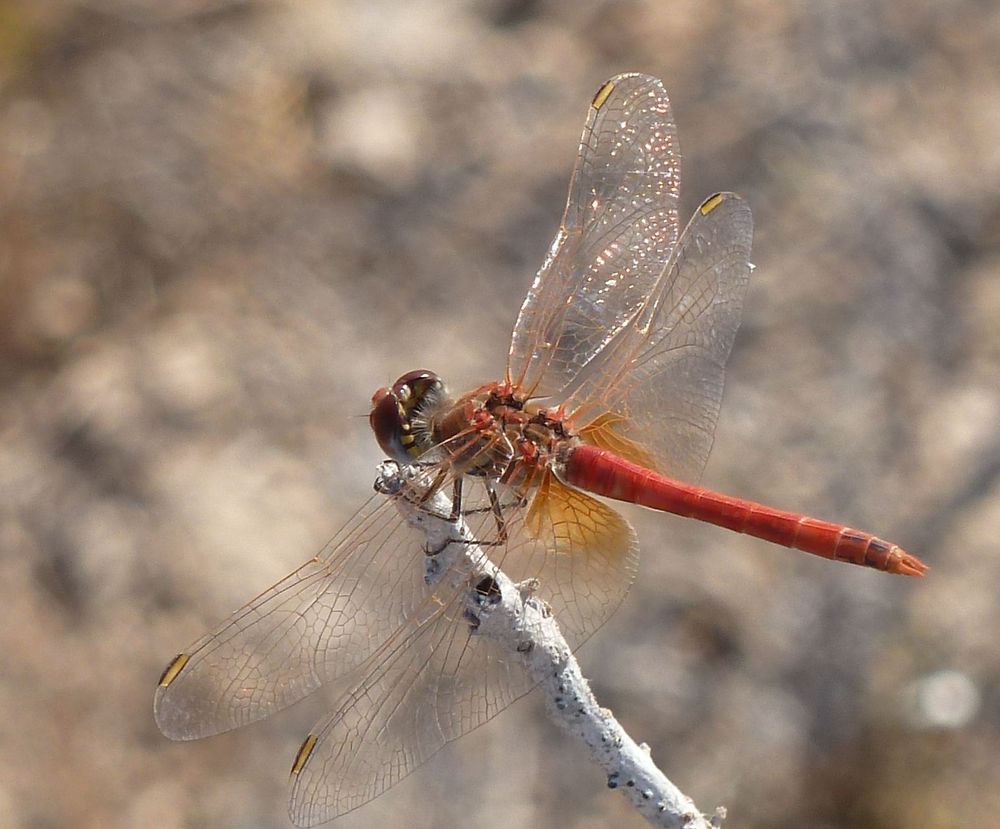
pixel 511 615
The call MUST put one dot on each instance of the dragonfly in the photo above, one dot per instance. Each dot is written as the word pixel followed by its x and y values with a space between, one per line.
pixel 612 390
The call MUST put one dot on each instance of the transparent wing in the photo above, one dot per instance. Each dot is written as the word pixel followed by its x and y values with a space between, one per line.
pixel 317 624
pixel 423 692
pixel 616 236
pixel 657 389
pixel 436 680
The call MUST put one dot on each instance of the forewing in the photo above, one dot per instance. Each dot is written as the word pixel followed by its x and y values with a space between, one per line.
pixel 317 624
pixel 616 236
pixel 662 379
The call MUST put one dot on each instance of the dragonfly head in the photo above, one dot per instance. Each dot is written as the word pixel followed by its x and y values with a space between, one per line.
pixel 399 415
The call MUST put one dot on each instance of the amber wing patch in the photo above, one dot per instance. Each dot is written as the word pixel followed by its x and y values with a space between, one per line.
pixel 590 558
pixel 604 432
pixel 574 523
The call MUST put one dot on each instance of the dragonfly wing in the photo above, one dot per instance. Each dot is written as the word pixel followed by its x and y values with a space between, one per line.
pixel 616 236
pixel 318 623
pixel 434 680
pixel 423 690
pixel 583 553
pixel 663 377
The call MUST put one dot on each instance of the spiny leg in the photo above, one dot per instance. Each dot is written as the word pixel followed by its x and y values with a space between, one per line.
pixel 456 499
pixel 497 509
pixel 495 506
pixel 454 516
pixel 421 501
pixel 491 490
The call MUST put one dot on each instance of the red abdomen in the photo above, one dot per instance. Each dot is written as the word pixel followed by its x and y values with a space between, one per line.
pixel 604 473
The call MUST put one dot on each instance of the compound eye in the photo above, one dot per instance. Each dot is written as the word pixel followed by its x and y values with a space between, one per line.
pixel 416 384
pixel 387 422
pixel 394 409
pixel 379 396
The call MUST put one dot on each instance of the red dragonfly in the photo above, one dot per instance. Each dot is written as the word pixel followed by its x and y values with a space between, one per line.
pixel 612 388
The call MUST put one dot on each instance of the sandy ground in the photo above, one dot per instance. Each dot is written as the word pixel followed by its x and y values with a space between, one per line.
pixel 224 224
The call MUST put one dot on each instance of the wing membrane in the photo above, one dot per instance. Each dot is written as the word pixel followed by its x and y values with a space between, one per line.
pixel 423 692
pixel 618 324
pixel 616 235
pixel 363 605
pixel 590 556
pixel 317 624
pixel 662 377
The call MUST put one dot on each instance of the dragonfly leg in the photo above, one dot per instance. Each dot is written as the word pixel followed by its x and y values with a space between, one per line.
pixel 495 505
pixel 456 511
pixel 456 499
pixel 497 514
pixel 432 488
pixel 497 509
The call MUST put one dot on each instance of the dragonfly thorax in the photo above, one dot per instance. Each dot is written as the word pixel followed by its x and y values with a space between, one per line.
pixel 492 431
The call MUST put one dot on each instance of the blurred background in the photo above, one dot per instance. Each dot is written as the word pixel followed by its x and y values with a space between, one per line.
pixel 225 223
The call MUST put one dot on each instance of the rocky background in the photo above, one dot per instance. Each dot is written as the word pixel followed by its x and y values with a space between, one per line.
pixel 223 224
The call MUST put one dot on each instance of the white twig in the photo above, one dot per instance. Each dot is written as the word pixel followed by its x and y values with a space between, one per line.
pixel 509 614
